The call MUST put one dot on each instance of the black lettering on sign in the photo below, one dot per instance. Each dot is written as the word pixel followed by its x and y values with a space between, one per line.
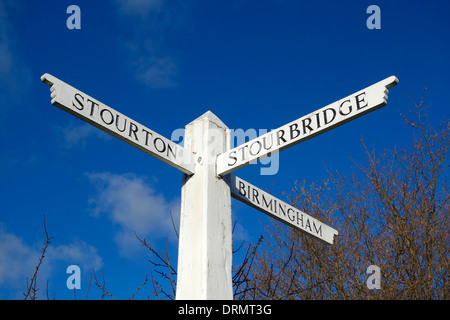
pixel 306 125
pixel 349 107
pixel 308 225
pixel 133 129
pixel 318 120
pixel 300 219
pixel 78 97
pixel 124 123
pixel 93 104
pixel 171 151
pixel 265 144
pixel 293 128
pixel 327 121
pixel 111 117
pixel 147 133
pixel 162 145
pixel 243 151
pixel 242 188
pixel 258 149
pixel 358 101
pixel 255 195
pixel 281 210
pixel 268 205
pixel 318 231
pixel 280 135
pixel 232 156
pixel 291 217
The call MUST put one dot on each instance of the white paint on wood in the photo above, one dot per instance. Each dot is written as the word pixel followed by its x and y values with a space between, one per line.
pixel 311 125
pixel 205 243
pixel 113 122
pixel 280 210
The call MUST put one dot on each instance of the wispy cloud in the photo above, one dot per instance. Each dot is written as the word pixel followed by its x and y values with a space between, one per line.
pixel 78 135
pixel 149 25
pixel 157 72
pixel 14 75
pixel 18 261
pixel 134 205
pixel 78 252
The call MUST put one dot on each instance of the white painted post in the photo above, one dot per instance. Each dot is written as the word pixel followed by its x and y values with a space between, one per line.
pixel 205 244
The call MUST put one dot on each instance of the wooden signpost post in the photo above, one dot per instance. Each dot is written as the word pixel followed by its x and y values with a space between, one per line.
pixel 206 161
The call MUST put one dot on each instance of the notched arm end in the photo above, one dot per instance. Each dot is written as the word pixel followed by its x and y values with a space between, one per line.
pixel 48 79
pixel 390 82
pixel 387 83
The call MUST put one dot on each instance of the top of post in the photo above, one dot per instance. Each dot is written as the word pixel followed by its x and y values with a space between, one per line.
pixel 211 117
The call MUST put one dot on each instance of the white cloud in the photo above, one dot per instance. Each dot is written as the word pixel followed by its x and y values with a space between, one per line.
pixel 18 261
pixel 79 253
pixel 150 23
pixel 157 72
pixel 150 63
pixel 135 206
pixel 77 135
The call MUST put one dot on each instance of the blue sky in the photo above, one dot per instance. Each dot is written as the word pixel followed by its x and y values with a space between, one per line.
pixel 255 64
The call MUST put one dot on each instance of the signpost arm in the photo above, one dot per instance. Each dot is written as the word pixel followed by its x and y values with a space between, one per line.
pixel 304 128
pixel 113 122
pixel 280 210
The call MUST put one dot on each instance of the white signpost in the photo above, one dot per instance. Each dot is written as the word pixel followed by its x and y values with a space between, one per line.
pixel 205 244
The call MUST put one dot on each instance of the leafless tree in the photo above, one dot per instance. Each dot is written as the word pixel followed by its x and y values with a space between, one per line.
pixel 392 212
pixel 165 271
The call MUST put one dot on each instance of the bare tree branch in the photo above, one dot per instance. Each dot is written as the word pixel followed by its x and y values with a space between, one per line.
pixel 31 287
